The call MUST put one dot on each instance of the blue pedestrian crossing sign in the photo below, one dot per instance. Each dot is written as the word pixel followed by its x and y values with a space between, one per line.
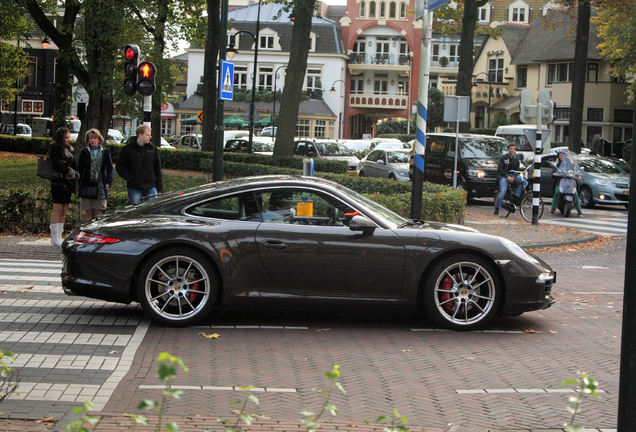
pixel 226 79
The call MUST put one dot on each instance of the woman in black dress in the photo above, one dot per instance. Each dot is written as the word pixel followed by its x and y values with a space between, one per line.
pixel 62 187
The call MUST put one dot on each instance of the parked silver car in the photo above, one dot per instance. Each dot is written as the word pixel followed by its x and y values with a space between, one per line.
pixel 327 149
pixel 392 164
pixel 190 142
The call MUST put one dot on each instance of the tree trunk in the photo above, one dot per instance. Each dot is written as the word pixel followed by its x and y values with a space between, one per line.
pixel 465 70
pixel 290 100
pixel 579 75
pixel 212 45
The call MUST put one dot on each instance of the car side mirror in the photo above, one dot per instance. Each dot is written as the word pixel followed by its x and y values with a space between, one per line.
pixel 361 223
pixel 380 161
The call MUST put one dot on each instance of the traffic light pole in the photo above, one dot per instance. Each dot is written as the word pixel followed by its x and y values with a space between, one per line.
pixel 536 173
pixel 422 103
pixel 147 112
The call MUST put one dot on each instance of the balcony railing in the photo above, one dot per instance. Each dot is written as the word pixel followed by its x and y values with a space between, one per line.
pixel 372 100
pixel 384 59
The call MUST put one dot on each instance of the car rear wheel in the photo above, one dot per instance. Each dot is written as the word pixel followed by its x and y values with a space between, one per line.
pixel 361 174
pixel 177 287
pixel 586 197
pixel 462 292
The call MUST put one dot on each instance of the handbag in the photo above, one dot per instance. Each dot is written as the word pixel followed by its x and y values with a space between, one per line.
pixel 88 191
pixel 45 169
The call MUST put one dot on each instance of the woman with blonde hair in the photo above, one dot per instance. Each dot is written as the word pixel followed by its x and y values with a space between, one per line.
pixel 96 174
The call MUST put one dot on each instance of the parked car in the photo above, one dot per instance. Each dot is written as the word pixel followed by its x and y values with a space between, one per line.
pixel 165 144
pixel 476 163
pixel 259 146
pixel 22 129
pixel 356 144
pixel 269 131
pixel 600 180
pixel 114 136
pixel 234 134
pixel 189 252
pixel 386 143
pixel 392 164
pixel 189 142
pixel 332 150
pixel 525 149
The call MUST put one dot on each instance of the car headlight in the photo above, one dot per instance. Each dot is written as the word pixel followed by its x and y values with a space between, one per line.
pixel 516 250
pixel 476 173
pixel 403 173
pixel 604 182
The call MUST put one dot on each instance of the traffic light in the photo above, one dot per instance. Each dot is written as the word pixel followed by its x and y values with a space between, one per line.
pixel 146 84
pixel 131 56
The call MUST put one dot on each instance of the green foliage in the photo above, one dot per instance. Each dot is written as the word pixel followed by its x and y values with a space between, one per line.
pixel 78 425
pixel 13 62
pixel 310 419
pixel 9 377
pixel 394 422
pixel 484 131
pixel 243 415
pixel 586 386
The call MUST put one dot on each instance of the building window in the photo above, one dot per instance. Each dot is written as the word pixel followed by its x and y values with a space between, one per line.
pixel 560 72
pixel 381 84
pixel 592 72
pixel 240 77
pixel 484 14
pixel 562 113
pixel 382 10
pixel 372 9
pixel 359 46
pixel 320 129
pixel 403 87
pixel 522 76
pixel 362 9
pixel 453 57
pixel 518 12
pixel 313 79
pixel 186 128
pixel 38 107
pixel 435 56
pixel 167 126
pixel 357 86
pixel 265 77
pixel 392 10
pixel 595 114
pixel 267 42
pixel 31 79
pixel 592 131
pixel 518 15
pixel 623 115
pixel 495 70
pixel 402 10
pixel 302 128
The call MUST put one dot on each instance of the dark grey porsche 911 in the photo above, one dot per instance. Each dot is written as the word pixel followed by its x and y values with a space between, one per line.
pixel 186 253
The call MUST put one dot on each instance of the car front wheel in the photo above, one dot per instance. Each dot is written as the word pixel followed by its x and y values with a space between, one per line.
pixel 177 287
pixel 462 292
pixel 586 197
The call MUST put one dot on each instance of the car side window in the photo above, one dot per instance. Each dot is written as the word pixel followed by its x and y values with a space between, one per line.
pixel 299 150
pixel 436 146
pixel 381 157
pixel 304 207
pixel 242 207
pixel 373 156
pixel 311 150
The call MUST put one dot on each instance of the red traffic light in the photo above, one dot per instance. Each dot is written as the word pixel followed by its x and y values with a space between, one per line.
pixel 131 53
pixel 146 70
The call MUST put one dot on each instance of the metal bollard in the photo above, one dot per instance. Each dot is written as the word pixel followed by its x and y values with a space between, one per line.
pixel 308 167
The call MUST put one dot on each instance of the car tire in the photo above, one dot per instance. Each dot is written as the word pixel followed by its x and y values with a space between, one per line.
pixel 177 286
pixel 362 174
pixel 462 292
pixel 585 195
pixel 391 176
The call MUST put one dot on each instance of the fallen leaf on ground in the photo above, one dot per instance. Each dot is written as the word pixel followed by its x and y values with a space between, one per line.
pixel 553 331
pixel 323 330
pixel 406 350
pixel 47 420
pixel 210 336
pixel 112 352
pixel 531 331
pixel 26 289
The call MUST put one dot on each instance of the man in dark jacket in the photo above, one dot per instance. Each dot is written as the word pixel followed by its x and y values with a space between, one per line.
pixel 139 164
pixel 509 162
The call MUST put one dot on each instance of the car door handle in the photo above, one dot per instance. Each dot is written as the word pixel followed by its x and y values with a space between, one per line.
pixel 274 244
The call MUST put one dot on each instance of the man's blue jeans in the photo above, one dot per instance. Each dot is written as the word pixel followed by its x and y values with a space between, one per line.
pixel 135 195
pixel 503 188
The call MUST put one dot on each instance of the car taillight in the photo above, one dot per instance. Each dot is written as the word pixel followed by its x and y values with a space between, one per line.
pixel 86 237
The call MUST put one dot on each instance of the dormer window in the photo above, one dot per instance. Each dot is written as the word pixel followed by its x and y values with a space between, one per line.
pixel 483 14
pixel 268 40
pixel 518 12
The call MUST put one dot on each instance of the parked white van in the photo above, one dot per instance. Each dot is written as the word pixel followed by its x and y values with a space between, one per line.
pixel 514 134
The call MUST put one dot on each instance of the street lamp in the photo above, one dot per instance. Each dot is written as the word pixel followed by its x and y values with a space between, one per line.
pixel 489 92
pixel 231 52
pixel 274 94
pixel 332 90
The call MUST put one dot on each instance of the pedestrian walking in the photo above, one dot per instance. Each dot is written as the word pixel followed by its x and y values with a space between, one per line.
pixel 139 164
pixel 65 184
pixel 96 174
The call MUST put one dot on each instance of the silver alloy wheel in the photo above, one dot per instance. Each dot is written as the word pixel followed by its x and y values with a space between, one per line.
pixel 586 197
pixel 177 288
pixel 464 293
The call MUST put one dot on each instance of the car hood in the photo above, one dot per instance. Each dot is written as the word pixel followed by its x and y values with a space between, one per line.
pixel 623 178
pixel 481 163
pixel 401 166
pixel 351 159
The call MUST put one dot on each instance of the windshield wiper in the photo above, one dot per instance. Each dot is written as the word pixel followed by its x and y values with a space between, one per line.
pixel 413 222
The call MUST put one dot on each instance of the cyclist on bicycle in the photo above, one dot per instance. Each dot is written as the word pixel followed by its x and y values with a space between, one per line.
pixel 507 163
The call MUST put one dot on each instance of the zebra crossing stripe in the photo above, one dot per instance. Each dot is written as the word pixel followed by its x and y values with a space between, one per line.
pixel 70 318
pixel 53 361
pixel 102 339
pixel 52 303
pixel 30 263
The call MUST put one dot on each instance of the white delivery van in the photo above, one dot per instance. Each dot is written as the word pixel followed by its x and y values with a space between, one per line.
pixel 515 134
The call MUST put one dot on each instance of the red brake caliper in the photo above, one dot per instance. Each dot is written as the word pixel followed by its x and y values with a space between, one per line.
pixel 447 284
pixel 192 295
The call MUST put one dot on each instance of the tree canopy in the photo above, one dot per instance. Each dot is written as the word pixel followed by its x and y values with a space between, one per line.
pixel 13 25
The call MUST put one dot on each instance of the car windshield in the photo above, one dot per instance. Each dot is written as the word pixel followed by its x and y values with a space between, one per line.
pixel 482 148
pixel 520 141
pixel 75 125
pixel 598 165
pixel 383 212
pixel 262 146
pixel 398 157
pixel 333 149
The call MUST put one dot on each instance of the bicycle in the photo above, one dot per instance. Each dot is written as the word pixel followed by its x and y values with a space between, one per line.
pixel 524 203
